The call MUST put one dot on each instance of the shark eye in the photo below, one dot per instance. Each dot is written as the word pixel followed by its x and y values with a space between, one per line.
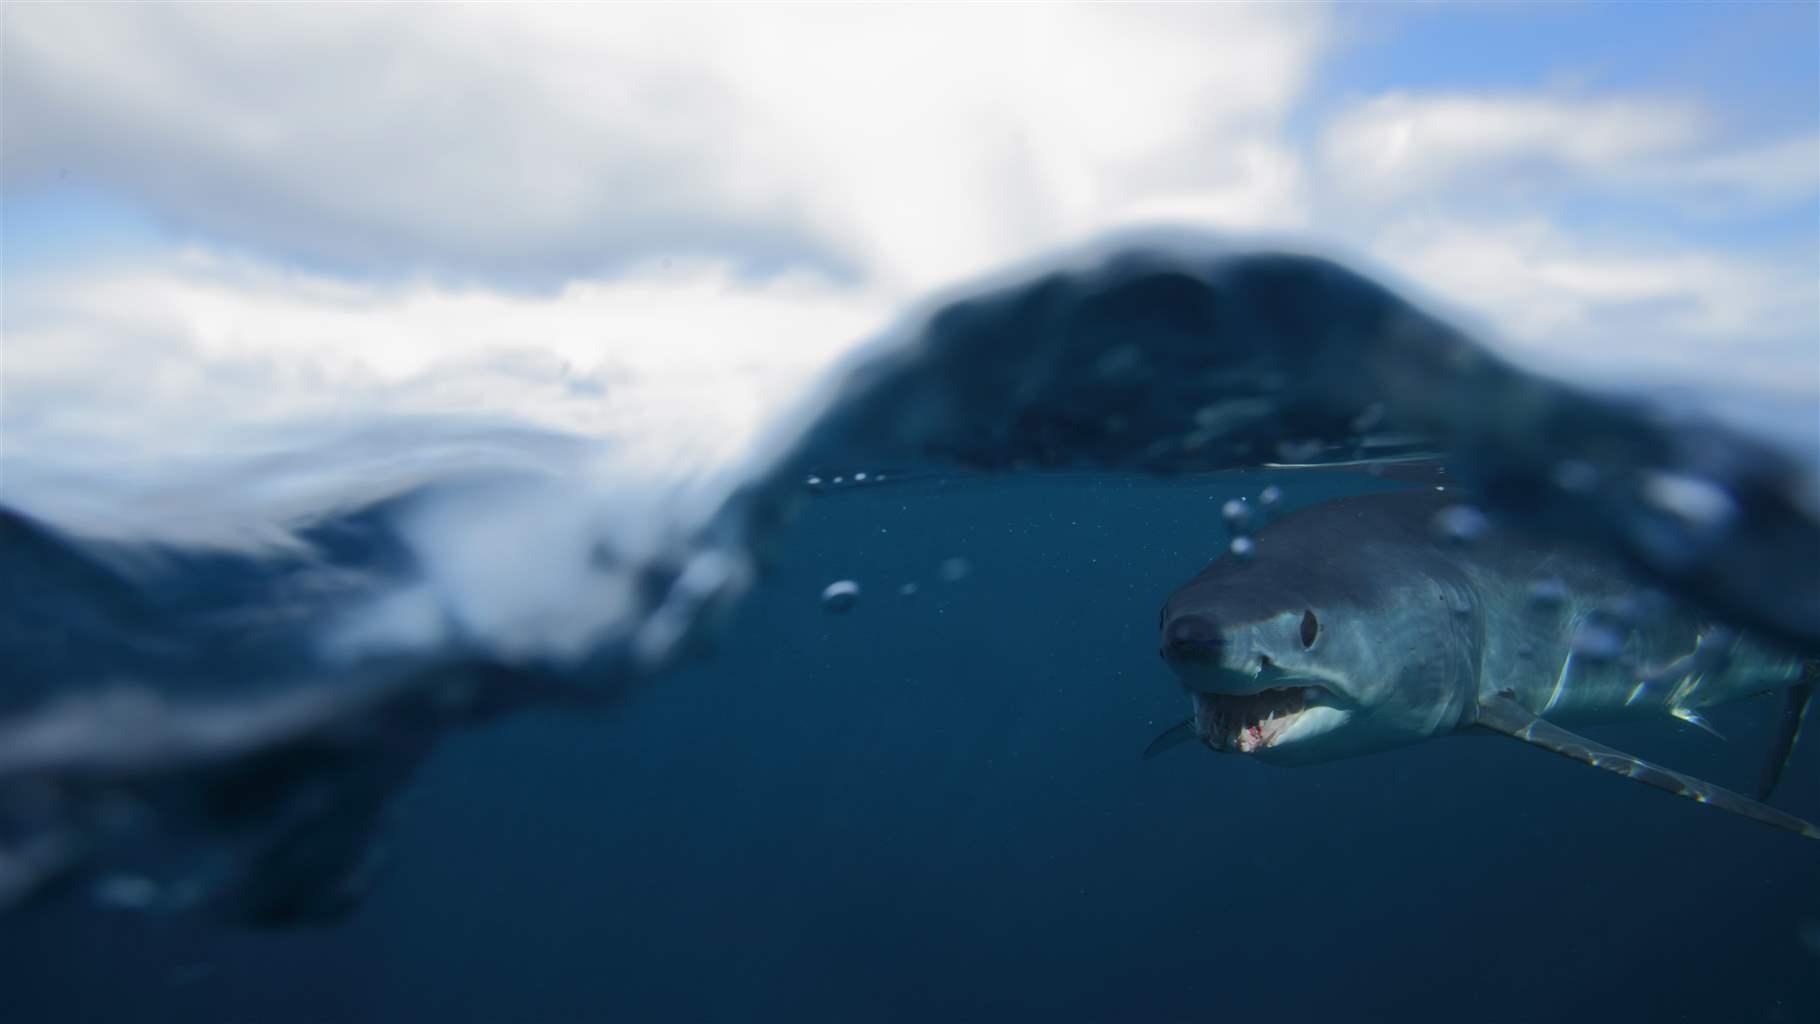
pixel 1311 628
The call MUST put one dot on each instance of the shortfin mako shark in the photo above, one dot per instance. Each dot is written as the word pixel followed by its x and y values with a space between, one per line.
pixel 1359 624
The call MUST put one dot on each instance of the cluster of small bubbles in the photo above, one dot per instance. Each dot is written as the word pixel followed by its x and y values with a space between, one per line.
pixel 817 482
pixel 907 590
pixel 1575 476
pixel 1461 524
pixel 1598 642
pixel 1237 515
pixel 1270 497
pixel 1242 547
pixel 955 569
pixel 840 596
pixel 1548 594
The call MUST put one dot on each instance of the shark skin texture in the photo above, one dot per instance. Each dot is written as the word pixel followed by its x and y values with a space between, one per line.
pixel 1370 622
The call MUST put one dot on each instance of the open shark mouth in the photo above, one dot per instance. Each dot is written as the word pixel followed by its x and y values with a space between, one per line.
pixel 1250 721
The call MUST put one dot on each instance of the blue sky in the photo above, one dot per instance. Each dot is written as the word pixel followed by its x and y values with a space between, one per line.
pixel 218 218
pixel 1756 64
pixel 1756 58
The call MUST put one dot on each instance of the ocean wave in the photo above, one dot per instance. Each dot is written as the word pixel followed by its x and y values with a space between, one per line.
pixel 267 665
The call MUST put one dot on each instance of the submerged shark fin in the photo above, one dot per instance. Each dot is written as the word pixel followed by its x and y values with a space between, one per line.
pixel 1171 738
pixel 1500 714
pixel 1788 729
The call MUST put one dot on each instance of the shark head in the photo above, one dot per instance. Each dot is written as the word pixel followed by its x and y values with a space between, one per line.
pixel 1349 629
pixel 1316 648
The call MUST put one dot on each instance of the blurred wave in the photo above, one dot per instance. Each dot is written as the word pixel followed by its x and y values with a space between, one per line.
pixel 216 688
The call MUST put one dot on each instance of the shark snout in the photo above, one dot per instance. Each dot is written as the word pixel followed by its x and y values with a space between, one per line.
pixel 1192 640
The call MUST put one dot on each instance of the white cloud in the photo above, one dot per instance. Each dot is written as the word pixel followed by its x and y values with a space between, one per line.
pixel 1618 309
pixel 643 223
pixel 125 369
pixel 1402 145
pixel 533 144
pixel 1473 200
pixel 653 222
pixel 1400 142
pixel 1787 170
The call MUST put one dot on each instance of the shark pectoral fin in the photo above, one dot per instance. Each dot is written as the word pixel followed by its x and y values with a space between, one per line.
pixel 1788 729
pixel 1505 716
pixel 1170 738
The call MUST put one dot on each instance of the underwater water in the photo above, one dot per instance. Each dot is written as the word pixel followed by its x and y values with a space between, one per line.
pixel 284 779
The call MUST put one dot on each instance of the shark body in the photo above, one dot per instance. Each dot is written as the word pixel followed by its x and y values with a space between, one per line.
pixel 1363 623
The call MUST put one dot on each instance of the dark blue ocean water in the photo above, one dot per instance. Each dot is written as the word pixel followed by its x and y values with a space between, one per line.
pixel 933 808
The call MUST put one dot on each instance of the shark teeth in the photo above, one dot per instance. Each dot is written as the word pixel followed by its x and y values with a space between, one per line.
pixel 1253 721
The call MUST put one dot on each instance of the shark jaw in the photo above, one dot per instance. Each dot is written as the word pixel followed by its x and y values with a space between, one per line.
pixel 1266 721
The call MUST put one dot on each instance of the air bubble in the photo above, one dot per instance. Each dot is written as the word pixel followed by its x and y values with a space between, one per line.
pixel 1237 515
pixel 1809 934
pixel 1695 503
pixel 126 892
pixel 955 569
pixel 1124 361
pixel 1625 608
pixel 1299 452
pixel 1461 524
pixel 1242 547
pixel 840 596
pixel 1367 421
pixel 907 590
pixel 1231 416
pixel 1270 497
pixel 1575 476
pixel 1548 594
pixel 1598 643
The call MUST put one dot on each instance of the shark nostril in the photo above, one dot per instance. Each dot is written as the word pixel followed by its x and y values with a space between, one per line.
pixel 1191 636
